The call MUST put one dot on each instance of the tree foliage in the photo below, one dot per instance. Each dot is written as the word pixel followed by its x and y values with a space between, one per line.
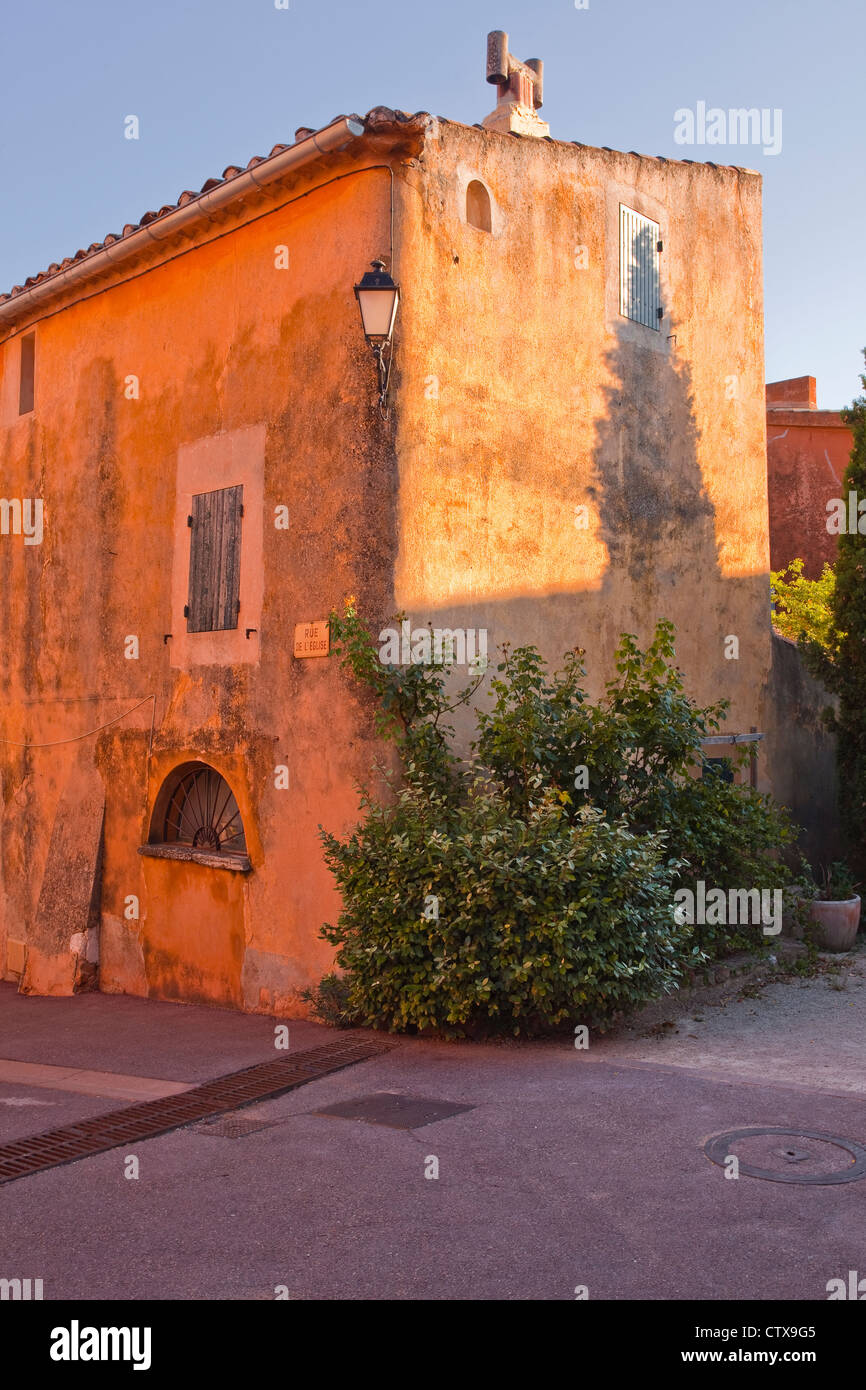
pixel 847 678
pixel 803 611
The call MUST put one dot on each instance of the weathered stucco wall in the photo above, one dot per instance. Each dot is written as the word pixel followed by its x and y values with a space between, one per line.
pixel 225 347
pixel 807 454
pixel 524 395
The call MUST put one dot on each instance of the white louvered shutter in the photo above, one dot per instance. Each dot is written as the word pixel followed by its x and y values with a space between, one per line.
pixel 638 268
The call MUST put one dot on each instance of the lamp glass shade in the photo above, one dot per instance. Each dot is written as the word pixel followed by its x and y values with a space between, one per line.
pixel 378 298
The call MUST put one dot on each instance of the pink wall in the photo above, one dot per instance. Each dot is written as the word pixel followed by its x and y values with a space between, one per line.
pixel 807 454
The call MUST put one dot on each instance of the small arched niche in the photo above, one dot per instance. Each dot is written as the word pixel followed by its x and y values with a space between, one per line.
pixel 478 208
pixel 196 816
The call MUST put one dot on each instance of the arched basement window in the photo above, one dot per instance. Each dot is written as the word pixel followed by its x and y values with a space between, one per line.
pixel 478 212
pixel 197 817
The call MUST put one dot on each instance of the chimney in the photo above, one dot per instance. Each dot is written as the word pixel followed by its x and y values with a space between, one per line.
pixel 797 393
pixel 520 90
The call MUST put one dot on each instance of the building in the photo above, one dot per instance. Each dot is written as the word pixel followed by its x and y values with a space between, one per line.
pixel 574 447
pixel 807 454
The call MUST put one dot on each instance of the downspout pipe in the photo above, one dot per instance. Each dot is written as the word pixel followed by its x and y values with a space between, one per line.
pixel 330 138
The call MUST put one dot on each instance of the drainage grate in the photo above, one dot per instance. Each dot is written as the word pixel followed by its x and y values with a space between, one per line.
pixel 233 1126
pixel 762 1147
pixel 394 1110
pixel 153 1117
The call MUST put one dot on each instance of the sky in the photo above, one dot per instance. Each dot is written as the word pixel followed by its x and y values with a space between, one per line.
pixel 214 82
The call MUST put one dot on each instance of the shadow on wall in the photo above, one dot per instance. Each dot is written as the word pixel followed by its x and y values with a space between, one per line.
pixel 657 523
pixel 805 776
pixel 657 520
pixel 651 511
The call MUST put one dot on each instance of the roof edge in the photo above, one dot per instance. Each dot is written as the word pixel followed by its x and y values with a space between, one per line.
pixel 330 138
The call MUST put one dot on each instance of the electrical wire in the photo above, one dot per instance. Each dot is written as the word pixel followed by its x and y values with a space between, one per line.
pixel 55 743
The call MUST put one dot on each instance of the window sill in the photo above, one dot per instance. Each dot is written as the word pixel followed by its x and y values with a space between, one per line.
pixel 237 863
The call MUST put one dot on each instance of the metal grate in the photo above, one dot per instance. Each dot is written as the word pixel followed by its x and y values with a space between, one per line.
pixel 203 813
pixel 150 1118
pixel 233 1126
pixel 638 268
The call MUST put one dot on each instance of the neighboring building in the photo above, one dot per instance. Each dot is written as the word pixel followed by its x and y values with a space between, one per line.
pixel 807 454
pixel 575 448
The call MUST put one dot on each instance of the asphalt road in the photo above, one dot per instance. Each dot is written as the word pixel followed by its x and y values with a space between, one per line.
pixel 571 1168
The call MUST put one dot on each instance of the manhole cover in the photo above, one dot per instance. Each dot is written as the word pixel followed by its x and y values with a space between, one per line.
pixel 395 1111
pixel 790 1155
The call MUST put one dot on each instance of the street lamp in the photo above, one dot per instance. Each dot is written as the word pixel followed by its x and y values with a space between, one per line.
pixel 378 297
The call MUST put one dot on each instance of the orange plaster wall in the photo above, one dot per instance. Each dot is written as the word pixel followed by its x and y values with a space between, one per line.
pixel 524 395
pixel 242 369
pixel 193 935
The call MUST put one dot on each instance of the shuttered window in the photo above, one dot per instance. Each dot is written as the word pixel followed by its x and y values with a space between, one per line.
pixel 638 268
pixel 27 377
pixel 215 560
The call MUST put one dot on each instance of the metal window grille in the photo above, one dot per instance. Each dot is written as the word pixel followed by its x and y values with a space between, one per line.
pixel 203 813
pixel 638 268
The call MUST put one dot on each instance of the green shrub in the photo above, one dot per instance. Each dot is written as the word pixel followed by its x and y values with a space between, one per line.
pixel 514 892
pixel 482 921
pixel 329 1001
pixel 641 748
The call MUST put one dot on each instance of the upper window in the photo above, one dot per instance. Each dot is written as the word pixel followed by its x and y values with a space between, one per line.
pixel 215 560
pixel 27 378
pixel 639 248
pixel 478 212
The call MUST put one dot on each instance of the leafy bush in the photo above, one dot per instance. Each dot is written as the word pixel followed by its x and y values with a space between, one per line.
pixel 641 747
pixel 483 920
pixel 329 1001
pixel 534 884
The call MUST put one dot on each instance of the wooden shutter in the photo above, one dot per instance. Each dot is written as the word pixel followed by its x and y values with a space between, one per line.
pixel 27 378
pixel 215 560
pixel 638 267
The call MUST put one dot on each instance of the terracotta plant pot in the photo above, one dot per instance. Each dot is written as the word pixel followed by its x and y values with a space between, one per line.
pixel 837 923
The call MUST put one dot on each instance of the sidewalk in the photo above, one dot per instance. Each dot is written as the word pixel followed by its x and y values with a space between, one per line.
pixel 140 1037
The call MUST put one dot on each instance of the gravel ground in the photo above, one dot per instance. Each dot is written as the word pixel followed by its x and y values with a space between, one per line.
pixel 808 1033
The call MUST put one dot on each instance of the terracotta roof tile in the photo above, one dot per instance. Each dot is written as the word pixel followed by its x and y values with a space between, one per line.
pixel 185 197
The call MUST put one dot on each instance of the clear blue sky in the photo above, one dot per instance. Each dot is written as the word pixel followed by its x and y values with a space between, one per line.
pixel 215 81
